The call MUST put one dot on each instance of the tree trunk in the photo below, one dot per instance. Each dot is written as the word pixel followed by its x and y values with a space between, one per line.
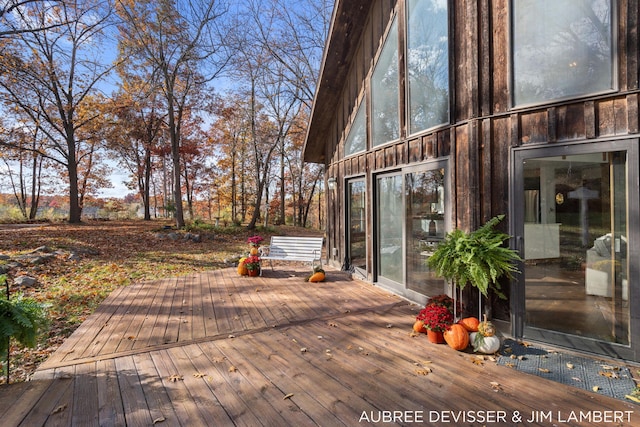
pixel 146 190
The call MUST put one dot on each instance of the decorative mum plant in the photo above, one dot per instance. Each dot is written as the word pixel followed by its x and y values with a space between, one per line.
pixel 255 240
pixel 436 317
pixel 252 262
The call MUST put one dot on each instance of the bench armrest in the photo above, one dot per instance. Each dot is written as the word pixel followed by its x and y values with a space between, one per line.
pixel 263 250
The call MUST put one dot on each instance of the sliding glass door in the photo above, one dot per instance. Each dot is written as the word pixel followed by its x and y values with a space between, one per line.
pixel 573 208
pixel 411 218
pixel 356 225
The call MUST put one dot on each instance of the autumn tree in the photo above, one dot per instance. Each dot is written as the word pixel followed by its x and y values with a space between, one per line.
pixel 23 167
pixel 292 34
pixel 135 130
pixel 11 21
pixel 51 74
pixel 229 133
pixel 180 48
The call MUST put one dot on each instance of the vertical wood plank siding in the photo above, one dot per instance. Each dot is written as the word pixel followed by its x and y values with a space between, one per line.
pixel 484 125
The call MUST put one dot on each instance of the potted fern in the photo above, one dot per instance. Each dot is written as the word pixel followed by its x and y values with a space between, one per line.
pixel 478 258
pixel 21 318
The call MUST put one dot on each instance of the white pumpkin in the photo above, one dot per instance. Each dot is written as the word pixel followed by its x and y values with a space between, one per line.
pixel 485 345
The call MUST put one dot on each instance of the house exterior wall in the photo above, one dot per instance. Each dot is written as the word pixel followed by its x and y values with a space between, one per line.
pixel 484 126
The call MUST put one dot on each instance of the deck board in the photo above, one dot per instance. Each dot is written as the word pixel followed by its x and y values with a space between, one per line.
pixel 218 349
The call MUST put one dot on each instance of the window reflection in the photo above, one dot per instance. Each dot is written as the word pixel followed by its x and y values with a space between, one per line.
pixel 425 200
pixel 576 265
pixel 562 48
pixel 427 64
pixel 357 139
pixel 385 92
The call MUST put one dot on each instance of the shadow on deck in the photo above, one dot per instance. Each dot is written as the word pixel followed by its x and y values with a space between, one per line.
pixel 218 349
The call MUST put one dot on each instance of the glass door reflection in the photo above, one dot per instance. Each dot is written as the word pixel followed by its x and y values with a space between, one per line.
pixel 356 237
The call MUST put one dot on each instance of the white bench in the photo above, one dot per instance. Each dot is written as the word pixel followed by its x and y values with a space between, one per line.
pixel 289 248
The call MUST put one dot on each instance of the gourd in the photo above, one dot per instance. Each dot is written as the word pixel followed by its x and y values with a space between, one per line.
pixel 317 276
pixel 485 341
pixel 242 269
pixel 457 337
pixel 482 344
pixel 470 323
pixel 418 326
pixel 486 328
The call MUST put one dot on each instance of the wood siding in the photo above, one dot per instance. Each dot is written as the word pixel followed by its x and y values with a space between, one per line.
pixel 484 126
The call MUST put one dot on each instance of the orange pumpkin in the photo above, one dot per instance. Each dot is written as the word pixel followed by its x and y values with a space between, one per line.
pixel 318 276
pixel 470 323
pixel 457 337
pixel 242 269
pixel 418 326
pixel 253 250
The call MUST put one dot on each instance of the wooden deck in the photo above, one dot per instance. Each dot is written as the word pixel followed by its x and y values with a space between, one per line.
pixel 216 349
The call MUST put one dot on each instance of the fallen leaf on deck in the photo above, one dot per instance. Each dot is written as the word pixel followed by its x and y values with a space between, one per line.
pixel 596 388
pixel 175 377
pixel 233 369
pixel 199 375
pixel 544 370
pixel 426 371
pixel 287 396
pixel 608 374
pixel 159 420
pixel 632 397
pixel 570 365
pixel 495 385
pixel 59 409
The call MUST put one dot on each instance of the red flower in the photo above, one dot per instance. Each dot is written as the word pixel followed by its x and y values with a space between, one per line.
pixel 252 262
pixel 436 317
pixel 255 240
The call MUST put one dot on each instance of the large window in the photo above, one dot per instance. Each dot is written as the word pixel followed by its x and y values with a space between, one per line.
pixel 561 49
pixel 427 64
pixel 385 92
pixel 357 139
